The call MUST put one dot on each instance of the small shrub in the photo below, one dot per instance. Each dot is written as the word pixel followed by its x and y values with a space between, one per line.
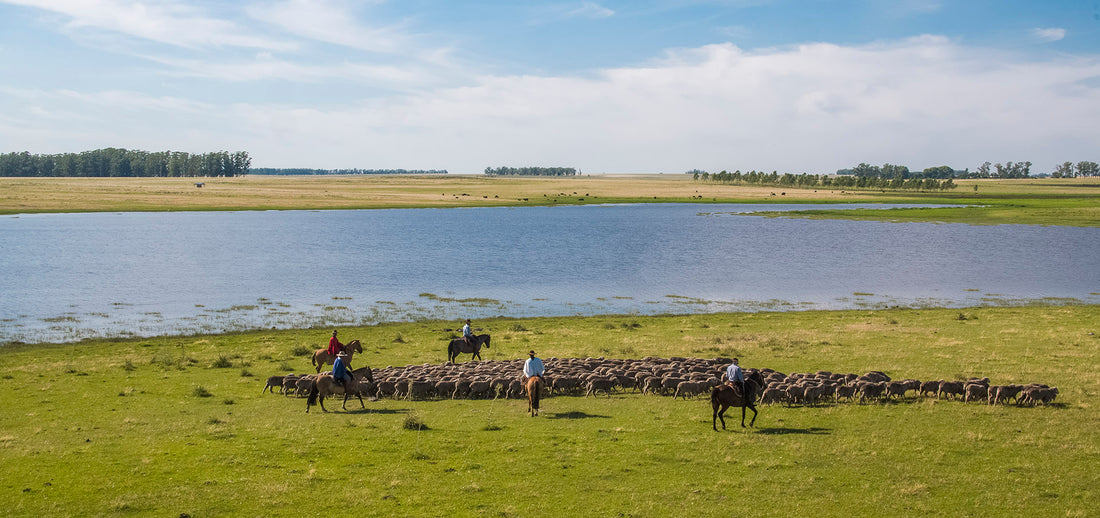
pixel 222 363
pixel 413 422
pixel 517 328
pixel 245 373
pixel 286 367
pixel 200 391
pixel 228 401
pixel 128 366
pixel 213 420
pixel 301 350
pixel 399 339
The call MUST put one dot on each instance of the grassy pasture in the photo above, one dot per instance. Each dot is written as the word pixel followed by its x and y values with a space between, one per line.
pixel 1029 201
pixel 167 426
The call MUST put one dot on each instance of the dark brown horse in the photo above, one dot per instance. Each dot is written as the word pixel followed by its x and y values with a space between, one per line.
pixel 321 356
pixel 534 390
pixel 325 385
pixel 459 346
pixel 725 396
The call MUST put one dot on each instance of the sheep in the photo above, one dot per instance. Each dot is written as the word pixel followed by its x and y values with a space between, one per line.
pixel 419 389
pixel 599 384
pixel 869 390
pixel 302 384
pixel 480 389
pixel 975 391
pixel 951 388
pixel 796 394
pixel 565 384
pixel 445 388
pixel 274 381
pixel 930 387
pixel 652 385
pixel 462 389
pixel 845 391
pixel 772 395
pixel 1033 395
pixel 690 388
pixel 1002 393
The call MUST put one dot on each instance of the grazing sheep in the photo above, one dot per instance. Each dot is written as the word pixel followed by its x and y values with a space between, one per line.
pixel 845 391
pixel 480 389
pixel 565 384
pixel 462 389
pixel 975 391
pixel 599 384
pixel 930 387
pixel 687 389
pixel 302 384
pixel 1033 395
pixel 796 394
pixel 272 382
pixel 950 388
pixel 772 395
pixel 419 389
pixel 1002 393
pixel 868 390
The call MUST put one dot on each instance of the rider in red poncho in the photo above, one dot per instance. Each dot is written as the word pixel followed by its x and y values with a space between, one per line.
pixel 334 345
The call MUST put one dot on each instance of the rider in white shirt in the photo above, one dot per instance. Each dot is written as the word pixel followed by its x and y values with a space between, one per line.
pixel 533 366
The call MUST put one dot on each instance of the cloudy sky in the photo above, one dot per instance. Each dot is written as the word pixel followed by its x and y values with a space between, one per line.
pixel 604 86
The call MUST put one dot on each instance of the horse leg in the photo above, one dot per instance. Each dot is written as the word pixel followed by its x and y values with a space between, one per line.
pixel 720 413
pixel 743 416
pixel 753 422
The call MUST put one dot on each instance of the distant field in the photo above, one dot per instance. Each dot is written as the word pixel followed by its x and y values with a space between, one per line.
pixel 1039 201
pixel 174 426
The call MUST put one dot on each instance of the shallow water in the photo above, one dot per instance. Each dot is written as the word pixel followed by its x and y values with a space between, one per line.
pixel 72 276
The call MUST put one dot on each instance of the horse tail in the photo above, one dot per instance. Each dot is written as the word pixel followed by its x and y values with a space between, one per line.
pixel 313 393
pixel 313 359
pixel 535 395
pixel 451 350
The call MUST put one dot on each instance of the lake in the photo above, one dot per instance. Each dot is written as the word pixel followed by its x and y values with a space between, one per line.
pixel 72 276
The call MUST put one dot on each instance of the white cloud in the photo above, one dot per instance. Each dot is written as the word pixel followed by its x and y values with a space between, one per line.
pixel 817 107
pixel 591 10
pixel 1049 34
pixel 170 22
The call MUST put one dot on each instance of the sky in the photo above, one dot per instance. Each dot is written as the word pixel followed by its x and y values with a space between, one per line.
pixel 640 86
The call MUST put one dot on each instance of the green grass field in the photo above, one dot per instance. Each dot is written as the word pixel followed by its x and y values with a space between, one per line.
pixel 172 426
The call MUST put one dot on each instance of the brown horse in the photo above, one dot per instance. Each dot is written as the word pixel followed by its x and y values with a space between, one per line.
pixel 534 387
pixel 725 396
pixel 459 346
pixel 321 356
pixel 324 386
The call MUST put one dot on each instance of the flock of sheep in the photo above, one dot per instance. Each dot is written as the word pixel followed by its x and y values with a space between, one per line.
pixel 676 377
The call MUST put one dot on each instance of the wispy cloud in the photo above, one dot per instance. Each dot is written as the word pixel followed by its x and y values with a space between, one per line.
pixel 169 22
pixel 1049 34
pixel 590 10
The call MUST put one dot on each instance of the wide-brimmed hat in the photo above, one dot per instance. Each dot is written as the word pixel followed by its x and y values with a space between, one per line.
pixel 342 353
pixel 532 353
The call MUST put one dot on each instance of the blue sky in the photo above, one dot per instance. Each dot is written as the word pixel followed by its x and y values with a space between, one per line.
pixel 604 86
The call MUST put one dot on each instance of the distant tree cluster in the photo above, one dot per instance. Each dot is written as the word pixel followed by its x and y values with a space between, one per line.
pixel 305 171
pixel 824 181
pixel 114 162
pixel 530 171
pixel 893 172
pixel 1070 170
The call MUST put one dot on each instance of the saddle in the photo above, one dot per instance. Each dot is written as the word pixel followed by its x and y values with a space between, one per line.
pixel 735 388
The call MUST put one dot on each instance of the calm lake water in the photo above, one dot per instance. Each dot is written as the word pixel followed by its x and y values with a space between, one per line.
pixel 70 276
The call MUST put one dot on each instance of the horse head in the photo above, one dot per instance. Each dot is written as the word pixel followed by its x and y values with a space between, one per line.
pixel 486 340
pixel 363 373
pixel 354 345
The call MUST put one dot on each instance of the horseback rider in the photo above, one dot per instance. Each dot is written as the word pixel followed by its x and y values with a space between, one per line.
pixel 735 378
pixel 533 366
pixel 334 345
pixel 341 371
pixel 468 334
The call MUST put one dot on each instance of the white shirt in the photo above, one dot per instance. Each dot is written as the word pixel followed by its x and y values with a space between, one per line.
pixel 733 373
pixel 533 367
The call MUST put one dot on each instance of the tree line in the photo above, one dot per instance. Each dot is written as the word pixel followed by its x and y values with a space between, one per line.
pixel 805 180
pixel 306 171
pixel 986 170
pixel 116 162
pixel 530 171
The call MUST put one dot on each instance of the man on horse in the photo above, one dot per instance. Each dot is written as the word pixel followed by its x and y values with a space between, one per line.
pixel 735 378
pixel 533 366
pixel 468 334
pixel 334 345
pixel 341 371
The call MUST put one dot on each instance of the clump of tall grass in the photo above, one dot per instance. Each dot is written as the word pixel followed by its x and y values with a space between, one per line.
pixel 200 391
pixel 414 422
pixel 222 363
pixel 301 350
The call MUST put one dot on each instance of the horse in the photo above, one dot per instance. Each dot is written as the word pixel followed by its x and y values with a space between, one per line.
pixel 324 386
pixel 534 389
pixel 321 356
pixel 459 346
pixel 723 396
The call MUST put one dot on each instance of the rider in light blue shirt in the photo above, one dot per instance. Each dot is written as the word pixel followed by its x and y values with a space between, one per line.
pixel 533 366
pixel 734 375
pixel 467 333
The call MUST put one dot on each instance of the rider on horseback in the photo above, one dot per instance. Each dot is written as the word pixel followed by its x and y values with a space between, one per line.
pixel 341 371
pixel 735 378
pixel 467 333
pixel 334 345
pixel 533 366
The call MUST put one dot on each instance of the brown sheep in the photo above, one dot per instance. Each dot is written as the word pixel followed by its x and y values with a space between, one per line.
pixel 975 391
pixel 599 384
pixel 272 382
pixel 950 388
